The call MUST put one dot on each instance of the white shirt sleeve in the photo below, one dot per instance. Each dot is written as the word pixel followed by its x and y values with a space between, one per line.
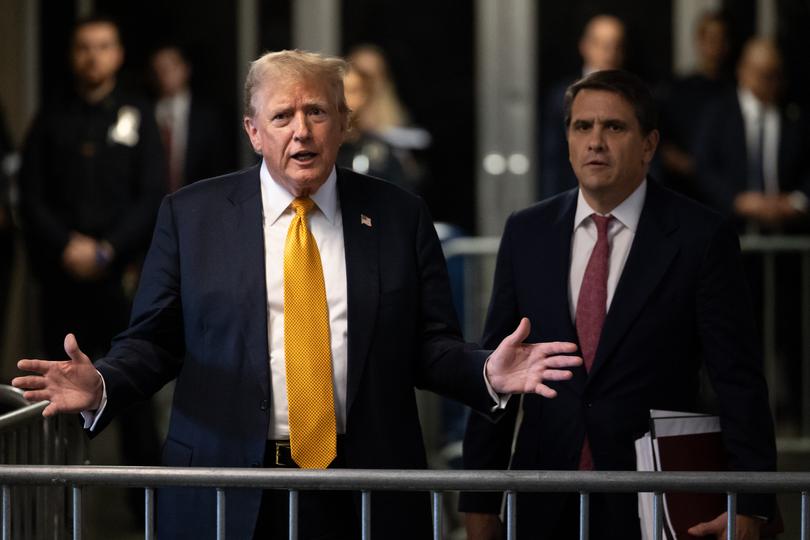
pixel 91 417
pixel 499 400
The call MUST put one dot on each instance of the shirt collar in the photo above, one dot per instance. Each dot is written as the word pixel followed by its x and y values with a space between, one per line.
pixel 627 213
pixel 276 199
pixel 750 105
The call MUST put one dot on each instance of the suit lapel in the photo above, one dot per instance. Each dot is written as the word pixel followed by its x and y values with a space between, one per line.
pixel 557 293
pixel 362 273
pixel 245 228
pixel 650 256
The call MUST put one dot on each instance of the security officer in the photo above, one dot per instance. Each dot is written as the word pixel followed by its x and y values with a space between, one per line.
pixel 91 181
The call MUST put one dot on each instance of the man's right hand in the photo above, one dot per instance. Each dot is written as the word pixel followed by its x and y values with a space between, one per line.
pixel 71 386
pixel 483 526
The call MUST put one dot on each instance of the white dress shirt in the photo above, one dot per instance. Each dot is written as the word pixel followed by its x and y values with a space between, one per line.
pixel 621 232
pixel 173 113
pixel 755 112
pixel 326 223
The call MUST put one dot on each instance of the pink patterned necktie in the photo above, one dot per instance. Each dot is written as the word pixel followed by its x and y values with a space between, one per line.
pixel 591 309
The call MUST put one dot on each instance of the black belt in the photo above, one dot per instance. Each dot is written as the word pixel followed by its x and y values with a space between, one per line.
pixel 279 454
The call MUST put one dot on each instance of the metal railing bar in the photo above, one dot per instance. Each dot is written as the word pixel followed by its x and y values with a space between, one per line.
pixel 584 515
pixel 805 518
pixel 658 515
pixel 149 513
pixel 292 522
pixel 731 515
pixel 408 480
pixel 22 415
pixel 6 513
pixel 77 512
pixel 774 244
pixel 472 245
pixel 220 514
pixel 511 515
pixel 436 500
pixel 365 515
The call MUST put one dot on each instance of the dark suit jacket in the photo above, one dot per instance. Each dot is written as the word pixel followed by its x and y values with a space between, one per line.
pixel 206 155
pixel 200 315
pixel 681 300
pixel 721 153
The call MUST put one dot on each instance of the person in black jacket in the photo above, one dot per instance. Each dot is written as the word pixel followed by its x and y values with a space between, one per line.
pixel 90 184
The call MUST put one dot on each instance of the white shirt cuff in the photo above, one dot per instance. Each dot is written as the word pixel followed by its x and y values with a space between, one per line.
pixel 91 417
pixel 499 400
pixel 798 201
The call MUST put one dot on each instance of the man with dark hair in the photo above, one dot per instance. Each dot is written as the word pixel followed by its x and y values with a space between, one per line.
pixel 601 46
pixel 650 285
pixel 191 128
pixel 90 186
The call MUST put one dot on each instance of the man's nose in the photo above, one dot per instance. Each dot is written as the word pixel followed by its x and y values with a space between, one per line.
pixel 301 127
pixel 596 140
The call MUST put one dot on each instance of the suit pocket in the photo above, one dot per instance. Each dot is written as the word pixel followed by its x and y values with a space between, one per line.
pixel 177 454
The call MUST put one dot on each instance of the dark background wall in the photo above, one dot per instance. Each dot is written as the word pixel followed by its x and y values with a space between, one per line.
pixel 431 49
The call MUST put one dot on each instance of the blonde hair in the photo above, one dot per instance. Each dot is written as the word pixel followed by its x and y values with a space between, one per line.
pixel 296 65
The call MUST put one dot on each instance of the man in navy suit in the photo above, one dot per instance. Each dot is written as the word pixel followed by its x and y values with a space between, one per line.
pixel 650 285
pixel 210 312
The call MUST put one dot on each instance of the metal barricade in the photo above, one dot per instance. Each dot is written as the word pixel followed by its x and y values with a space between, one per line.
pixel 369 481
pixel 27 438
pixel 479 266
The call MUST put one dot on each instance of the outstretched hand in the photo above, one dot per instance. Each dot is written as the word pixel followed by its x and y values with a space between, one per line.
pixel 519 368
pixel 71 386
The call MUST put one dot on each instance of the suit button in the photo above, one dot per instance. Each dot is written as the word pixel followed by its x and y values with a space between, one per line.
pixel 263 405
pixel 589 404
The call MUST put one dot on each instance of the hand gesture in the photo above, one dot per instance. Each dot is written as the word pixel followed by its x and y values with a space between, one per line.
pixel 71 386
pixel 747 527
pixel 519 368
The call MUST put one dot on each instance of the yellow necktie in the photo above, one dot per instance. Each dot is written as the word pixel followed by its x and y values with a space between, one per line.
pixel 307 350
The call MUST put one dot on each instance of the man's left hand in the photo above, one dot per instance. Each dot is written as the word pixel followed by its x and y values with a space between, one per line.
pixel 747 527
pixel 519 368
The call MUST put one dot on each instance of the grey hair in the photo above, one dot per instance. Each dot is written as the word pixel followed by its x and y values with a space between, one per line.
pixel 296 65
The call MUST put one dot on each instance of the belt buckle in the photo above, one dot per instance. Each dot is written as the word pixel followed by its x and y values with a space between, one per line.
pixel 279 447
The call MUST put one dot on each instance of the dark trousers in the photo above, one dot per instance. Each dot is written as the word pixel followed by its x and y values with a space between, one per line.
pixel 322 515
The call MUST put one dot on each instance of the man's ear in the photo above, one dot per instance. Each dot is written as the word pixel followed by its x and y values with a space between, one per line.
pixel 252 133
pixel 650 144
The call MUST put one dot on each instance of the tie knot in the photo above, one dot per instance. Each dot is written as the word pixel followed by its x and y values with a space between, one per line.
pixel 601 222
pixel 302 205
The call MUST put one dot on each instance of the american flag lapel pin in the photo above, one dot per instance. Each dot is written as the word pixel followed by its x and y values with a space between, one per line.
pixel 365 220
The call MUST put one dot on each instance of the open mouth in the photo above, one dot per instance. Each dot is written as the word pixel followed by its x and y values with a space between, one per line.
pixel 303 156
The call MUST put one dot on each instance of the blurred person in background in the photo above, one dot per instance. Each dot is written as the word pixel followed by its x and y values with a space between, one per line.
pixel 601 47
pixel 751 158
pixel 90 184
pixel 686 100
pixel 363 150
pixel 751 149
pixel 190 128
pixel 384 114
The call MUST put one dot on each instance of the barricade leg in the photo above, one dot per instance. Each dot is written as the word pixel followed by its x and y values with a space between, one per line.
pixel 77 513
pixel 658 515
pixel 149 513
pixel 365 515
pixel 220 514
pixel 805 531
pixel 292 519
pixel 511 515
pixel 731 517
pixel 6 513
pixel 584 515
pixel 436 497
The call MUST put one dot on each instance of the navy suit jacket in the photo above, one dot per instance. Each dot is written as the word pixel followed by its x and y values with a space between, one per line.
pixel 200 316
pixel 681 300
pixel 721 153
